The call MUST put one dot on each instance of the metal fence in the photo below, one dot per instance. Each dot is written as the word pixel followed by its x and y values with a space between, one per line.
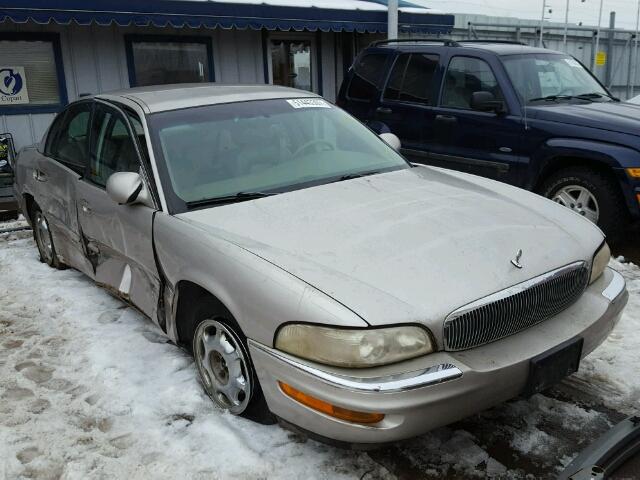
pixel 620 72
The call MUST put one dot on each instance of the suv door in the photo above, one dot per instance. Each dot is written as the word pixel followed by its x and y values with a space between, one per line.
pixel 479 142
pixel 118 238
pixel 359 95
pixel 407 105
pixel 57 172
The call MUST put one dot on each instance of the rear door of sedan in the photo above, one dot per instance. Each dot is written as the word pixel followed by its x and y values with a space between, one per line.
pixel 118 238
pixel 56 174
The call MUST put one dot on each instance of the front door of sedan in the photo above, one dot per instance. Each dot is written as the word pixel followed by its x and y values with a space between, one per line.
pixel 117 238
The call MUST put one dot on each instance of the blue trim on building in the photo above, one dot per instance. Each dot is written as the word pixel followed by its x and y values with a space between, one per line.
pixel 54 38
pixel 196 14
pixel 131 38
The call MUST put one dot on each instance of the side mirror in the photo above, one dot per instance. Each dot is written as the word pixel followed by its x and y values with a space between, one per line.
pixel 127 188
pixel 486 102
pixel 392 140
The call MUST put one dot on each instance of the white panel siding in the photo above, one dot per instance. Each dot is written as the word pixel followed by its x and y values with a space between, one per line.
pixel 94 61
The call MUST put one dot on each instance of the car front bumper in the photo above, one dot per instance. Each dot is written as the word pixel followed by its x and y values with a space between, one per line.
pixel 431 391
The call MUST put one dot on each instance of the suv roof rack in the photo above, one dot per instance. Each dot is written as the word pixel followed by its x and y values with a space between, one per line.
pixel 447 42
pixel 507 42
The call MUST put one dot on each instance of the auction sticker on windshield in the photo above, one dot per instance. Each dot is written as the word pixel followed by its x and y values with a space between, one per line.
pixel 308 103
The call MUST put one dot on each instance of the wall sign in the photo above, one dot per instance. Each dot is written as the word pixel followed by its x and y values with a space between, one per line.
pixel 13 86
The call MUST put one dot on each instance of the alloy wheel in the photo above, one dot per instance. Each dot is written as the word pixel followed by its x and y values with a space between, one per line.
pixel 223 365
pixel 580 200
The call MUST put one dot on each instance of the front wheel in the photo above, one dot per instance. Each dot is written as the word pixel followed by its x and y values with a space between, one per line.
pixel 226 371
pixel 590 193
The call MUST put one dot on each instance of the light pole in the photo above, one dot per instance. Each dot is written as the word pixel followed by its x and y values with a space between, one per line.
pixel 392 19
pixel 544 5
pixel 595 53
pixel 635 51
pixel 566 27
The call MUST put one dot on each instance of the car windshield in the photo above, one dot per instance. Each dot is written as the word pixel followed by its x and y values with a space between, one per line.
pixel 538 77
pixel 248 149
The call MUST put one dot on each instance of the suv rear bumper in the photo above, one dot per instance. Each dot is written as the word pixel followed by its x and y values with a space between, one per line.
pixel 431 391
pixel 7 200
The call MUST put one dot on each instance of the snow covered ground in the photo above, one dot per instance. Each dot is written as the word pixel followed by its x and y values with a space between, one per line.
pixel 91 389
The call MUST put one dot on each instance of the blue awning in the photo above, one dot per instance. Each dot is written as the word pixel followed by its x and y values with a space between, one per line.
pixel 214 14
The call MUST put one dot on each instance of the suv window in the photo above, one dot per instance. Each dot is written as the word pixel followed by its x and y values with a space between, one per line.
pixel 112 148
pixel 465 76
pixel 412 78
pixel 70 137
pixel 368 74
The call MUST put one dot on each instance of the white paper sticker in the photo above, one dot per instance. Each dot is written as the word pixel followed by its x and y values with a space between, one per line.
pixel 572 63
pixel 308 103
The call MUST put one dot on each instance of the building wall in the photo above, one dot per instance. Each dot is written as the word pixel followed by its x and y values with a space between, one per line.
pixel 95 61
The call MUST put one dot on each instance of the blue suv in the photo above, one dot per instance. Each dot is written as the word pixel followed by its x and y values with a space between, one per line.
pixel 531 117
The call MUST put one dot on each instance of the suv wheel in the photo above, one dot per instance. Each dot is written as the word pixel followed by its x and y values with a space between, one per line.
pixel 44 239
pixel 591 194
pixel 226 371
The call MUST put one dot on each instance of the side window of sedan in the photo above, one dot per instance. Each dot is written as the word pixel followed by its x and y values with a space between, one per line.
pixel 112 147
pixel 70 137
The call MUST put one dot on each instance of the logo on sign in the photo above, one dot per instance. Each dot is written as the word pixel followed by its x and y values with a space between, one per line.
pixel 13 87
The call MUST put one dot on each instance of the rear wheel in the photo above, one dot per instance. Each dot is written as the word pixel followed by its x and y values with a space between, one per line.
pixel 44 239
pixel 590 193
pixel 225 368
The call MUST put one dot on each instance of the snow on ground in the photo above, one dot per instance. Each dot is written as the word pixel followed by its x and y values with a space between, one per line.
pixel 89 388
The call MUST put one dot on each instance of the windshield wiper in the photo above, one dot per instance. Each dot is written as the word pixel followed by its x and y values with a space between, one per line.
pixel 236 197
pixel 351 176
pixel 597 95
pixel 551 98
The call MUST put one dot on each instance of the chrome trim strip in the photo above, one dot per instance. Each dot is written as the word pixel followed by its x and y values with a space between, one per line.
pixel 615 287
pixel 387 384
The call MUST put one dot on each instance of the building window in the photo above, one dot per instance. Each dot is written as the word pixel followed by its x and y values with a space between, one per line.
pixel 157 60
pixel 31 76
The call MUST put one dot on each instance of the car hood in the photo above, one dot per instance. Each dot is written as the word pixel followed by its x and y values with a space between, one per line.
pixel 614 116
pixel 406 246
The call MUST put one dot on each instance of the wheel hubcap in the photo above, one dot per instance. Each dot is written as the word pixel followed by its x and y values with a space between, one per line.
pixel 580 200
pixel 222 365
pixel 44 237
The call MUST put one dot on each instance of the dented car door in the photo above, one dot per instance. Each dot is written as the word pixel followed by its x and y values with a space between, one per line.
pixel 117 238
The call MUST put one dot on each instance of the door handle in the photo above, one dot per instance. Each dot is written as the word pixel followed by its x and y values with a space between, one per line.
pixel 86 208
pixel 39 175
pixel 446 118
pixel 384 110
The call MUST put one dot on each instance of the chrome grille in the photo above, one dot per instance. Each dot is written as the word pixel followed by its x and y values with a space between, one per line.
pixel 515 309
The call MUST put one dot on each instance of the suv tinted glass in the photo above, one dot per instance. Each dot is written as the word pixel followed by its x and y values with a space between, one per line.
pixel 465 76
pixel 412 78
pixel 367 77
pixel 112 149
pixel 70 142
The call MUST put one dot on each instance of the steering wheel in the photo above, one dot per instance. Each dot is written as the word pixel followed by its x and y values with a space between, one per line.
pixel 313 143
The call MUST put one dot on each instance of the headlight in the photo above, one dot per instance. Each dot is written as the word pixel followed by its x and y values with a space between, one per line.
pixel 354 348
pixel 600 261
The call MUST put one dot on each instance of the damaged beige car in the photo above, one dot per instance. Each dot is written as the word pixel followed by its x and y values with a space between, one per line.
pixel 316 276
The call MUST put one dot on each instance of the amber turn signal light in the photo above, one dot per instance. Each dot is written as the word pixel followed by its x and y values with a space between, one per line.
pixel 634 172
pixel 327 408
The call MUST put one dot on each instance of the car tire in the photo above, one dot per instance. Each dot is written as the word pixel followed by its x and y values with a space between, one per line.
pixel 219 347
pixel 571 183
pixel 44 239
